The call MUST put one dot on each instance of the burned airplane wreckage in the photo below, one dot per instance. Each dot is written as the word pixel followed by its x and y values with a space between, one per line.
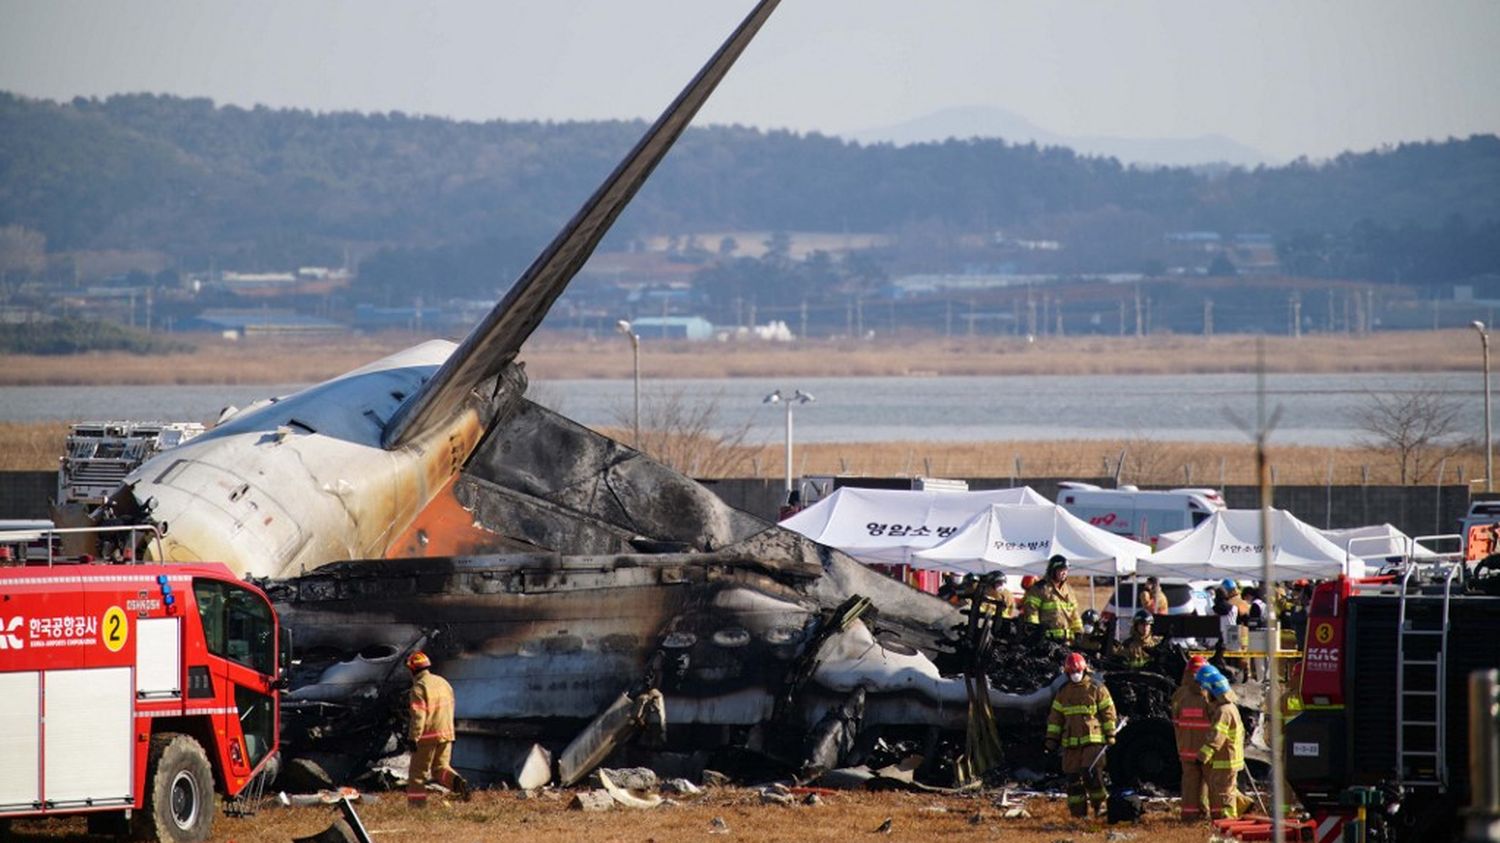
pixel 580 581
pixel 572 590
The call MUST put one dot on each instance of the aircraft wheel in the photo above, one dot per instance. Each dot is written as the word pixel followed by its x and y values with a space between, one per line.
pixel 179 791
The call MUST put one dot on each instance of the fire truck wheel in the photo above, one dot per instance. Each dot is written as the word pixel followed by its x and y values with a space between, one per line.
pixel 179 791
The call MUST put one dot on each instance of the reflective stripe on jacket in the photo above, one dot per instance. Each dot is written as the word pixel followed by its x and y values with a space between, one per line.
pixel 1082 714
pixel 1224 743
pixel 1054 608
pixel 1189 720
pixel 1137 652
pixel 431 708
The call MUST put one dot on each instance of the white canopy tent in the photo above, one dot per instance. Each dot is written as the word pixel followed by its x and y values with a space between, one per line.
pixel 886 526
pixel 1377 541
pixel 1229 544
pixel 1020 538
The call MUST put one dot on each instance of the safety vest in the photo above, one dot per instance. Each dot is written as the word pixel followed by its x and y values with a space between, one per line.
pixel 1082 713
pixel 431 708
pixel 1224 743
pixel 1189 719
pixel 1053 608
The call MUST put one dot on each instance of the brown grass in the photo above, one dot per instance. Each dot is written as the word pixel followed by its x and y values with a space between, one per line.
pixel 1147 462
pixel 504 816
pixel 553 356
pixel 31 446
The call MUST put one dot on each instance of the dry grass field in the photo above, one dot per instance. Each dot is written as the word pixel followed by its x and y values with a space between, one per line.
pixel 551 357
pixel 504 816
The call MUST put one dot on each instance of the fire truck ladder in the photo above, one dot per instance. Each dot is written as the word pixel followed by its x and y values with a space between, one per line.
pixel 1421 683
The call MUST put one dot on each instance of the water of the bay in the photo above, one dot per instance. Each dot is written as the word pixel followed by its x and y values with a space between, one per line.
pixel 1315 409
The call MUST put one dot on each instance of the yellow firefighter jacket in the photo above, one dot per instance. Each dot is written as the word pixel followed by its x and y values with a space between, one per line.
pixel 1082 714
pixel 1189 719
pixel 1224 742
pixel 431 708
pixel 1136 651
pixel 1054 608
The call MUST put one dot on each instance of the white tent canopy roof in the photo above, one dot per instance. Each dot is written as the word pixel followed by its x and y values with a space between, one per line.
pixel 1020 538
pixel 1376 541
pixel 887 525
pixel 1229 544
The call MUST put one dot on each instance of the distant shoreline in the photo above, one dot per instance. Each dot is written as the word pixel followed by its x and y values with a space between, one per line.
pixel 305 360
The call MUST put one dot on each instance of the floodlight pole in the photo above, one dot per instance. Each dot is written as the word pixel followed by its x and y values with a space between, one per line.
pixel 1489 439
pixel 797 397
pixel 635 352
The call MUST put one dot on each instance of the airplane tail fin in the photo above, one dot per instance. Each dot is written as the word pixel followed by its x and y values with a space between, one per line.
pixel 498 337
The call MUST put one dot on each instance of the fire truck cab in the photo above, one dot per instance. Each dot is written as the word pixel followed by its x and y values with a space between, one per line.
pixel 134 692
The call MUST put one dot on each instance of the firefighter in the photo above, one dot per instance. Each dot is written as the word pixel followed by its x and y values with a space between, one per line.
pixel 1153 599
pixel 431 730
pixel 998 600
pixel 1190 722
pixel 1050 603
pixel 1081 724
pixel 1222 752
pixel 1095 637
pixel 1140 647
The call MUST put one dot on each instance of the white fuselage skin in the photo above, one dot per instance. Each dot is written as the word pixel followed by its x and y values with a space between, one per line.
pixel 290 484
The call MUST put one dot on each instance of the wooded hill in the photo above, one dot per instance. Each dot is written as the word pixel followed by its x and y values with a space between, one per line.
pixel 277 188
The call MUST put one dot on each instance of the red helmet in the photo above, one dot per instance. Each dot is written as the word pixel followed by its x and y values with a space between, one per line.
pixel 1028 581
pixel 418 661
pixel 1075 663
pixel 1196 662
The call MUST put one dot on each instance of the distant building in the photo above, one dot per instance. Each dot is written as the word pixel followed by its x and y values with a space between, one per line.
pixel 673 327
pixel 242 323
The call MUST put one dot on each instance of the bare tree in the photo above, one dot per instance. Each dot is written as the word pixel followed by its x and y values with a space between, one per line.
pixel 1417 430
pixel 686 435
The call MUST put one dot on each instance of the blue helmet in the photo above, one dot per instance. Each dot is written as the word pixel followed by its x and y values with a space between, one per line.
pixel 1229 585
pixel 1211 680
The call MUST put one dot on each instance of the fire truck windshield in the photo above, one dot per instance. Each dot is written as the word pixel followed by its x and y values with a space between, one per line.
pixel 237 624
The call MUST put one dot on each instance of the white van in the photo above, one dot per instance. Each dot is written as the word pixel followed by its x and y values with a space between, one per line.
pixel 1130 512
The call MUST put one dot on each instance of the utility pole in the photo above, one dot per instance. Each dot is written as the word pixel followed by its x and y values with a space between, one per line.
pixel 802 329
pixel 1139 326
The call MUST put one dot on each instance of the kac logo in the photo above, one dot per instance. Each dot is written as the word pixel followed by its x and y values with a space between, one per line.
pixel 9 640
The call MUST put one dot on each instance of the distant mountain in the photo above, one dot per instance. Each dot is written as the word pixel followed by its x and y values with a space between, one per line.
pixel 966 122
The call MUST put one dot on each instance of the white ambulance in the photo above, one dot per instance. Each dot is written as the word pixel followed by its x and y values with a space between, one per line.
pixel 1140 515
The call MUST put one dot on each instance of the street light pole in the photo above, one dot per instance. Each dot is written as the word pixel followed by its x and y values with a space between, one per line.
pixel 797 397
pixel 635 352
pixel 1489 439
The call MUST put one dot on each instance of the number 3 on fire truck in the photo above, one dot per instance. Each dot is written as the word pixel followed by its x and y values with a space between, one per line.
pixel 116 629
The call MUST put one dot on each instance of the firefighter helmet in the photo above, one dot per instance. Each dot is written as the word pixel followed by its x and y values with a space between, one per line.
pixel 1212 681
pixel 1143 616
pixel 1197 662
pixel 418 661
pixel 1057 561
pixel 1075 663
pixel 1028 581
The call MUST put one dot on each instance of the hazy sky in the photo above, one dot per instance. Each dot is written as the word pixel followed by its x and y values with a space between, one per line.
pixel 1288 77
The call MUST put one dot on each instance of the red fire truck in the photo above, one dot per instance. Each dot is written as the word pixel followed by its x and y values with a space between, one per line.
pixel 132 692
pixel 1380 750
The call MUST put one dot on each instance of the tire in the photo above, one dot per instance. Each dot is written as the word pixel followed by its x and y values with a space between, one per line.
pixel 179 803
